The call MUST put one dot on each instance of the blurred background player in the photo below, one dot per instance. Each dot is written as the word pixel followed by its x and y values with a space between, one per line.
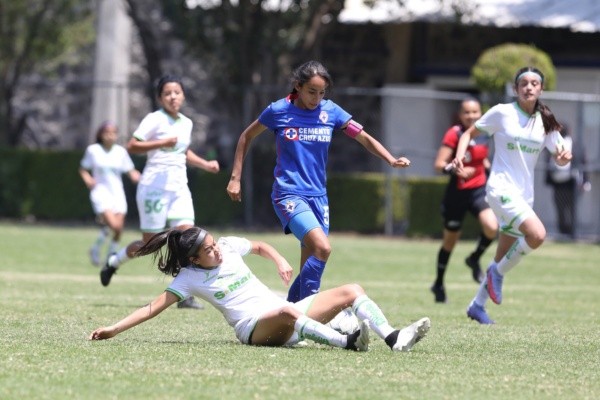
pixel 464 193
pixel 101 169
pixel 566 182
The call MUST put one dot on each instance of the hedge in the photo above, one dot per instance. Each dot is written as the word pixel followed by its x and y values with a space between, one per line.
pixel 47 186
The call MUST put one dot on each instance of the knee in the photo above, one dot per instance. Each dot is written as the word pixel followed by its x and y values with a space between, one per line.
pixel 351 291
pixel 289 313
pixel 535 239
pixel 322 251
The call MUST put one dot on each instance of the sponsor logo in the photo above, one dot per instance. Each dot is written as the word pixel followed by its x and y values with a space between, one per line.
pixel 290 206
pixel 323 116
pixel 290 133
pixel 233 286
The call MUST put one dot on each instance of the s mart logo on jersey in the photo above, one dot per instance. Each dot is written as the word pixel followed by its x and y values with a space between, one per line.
pixel 290 133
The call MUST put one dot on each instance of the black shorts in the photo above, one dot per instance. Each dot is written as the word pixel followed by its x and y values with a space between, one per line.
pixel 457 202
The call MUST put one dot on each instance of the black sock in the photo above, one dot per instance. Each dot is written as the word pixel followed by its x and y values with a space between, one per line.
pixel 483 243
pixel 390 340
pixel 351 340
pixel 442 262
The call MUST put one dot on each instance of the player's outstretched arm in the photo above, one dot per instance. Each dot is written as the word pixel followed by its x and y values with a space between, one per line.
pixel 267 251
pixel 140 315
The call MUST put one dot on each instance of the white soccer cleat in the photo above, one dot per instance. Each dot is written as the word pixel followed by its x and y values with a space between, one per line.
pixel 407 337
pixel 362 342
pixel 345 322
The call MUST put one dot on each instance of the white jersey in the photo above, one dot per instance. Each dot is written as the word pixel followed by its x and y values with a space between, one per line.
pixel 107 167
pixel 231 287
pixel 165 167
pixel 519 138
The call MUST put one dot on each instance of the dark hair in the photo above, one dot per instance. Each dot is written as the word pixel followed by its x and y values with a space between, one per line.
pixel 456 117
pixel 101 129
pixel 303 73
pixel 548 118
pixel 168 79
pixel 178 244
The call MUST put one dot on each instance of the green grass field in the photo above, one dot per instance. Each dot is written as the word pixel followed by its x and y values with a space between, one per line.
pixel 546 344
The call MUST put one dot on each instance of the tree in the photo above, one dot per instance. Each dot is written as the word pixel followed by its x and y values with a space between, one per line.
pixel 496 66
pixel 35 36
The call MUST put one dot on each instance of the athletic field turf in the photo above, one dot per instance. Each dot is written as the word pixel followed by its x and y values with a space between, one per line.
pixel 546 344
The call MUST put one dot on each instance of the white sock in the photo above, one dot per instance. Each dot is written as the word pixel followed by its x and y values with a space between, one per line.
pixel 310 329
pixel 365 308
pixel 114 260
pixel 101 238
pixel 113 247
pixel 513 256
pixel 482 295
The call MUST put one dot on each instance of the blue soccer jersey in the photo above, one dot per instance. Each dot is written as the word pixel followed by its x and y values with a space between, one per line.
pixel 302 140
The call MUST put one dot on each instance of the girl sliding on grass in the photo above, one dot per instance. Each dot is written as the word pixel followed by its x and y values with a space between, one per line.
pixel 215 271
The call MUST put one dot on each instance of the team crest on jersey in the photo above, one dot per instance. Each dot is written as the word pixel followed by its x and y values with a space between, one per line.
pixel 290 206
pixel 324 117
pixel 290 133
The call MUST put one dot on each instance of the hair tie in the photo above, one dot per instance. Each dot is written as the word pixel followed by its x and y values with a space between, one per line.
pixel 197 243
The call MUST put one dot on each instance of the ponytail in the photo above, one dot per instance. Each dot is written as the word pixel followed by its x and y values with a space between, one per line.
pixel 179 243
pixel 548 118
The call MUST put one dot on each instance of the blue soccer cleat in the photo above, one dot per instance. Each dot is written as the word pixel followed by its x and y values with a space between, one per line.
pixel 478 313
pixel 494 284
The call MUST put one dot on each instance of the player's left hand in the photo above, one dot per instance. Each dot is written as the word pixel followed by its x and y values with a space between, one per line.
pixel 401 162
pixel 563 157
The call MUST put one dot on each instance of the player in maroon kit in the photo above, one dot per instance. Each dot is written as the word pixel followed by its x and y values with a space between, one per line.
pixel 465 192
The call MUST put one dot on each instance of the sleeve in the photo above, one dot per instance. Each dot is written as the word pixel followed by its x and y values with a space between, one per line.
pixel 451 137
pixel 126 161
pixel 146 129
pixel 179 286
pixel 240 245
pixel 490 122
pixel 342 116
pixel 267 117
pixel 554 141
pixel 87 162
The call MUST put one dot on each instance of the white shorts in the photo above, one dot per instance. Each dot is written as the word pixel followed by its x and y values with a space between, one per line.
pixel 103 200
pixel 245 327
pixel 160 209
pixel 510 211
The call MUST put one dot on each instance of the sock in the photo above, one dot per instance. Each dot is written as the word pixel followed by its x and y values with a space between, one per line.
pixel 365 308
pixel 513 256
pixel 390 339
pixel 308 280
pixel 482 244
pixel 114 260
pixel 482 295
pixel 101 238
pixel 113 247
pixel 442 262
pixel 310 329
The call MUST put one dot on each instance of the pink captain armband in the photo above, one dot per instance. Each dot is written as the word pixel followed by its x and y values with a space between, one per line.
pixel 353 129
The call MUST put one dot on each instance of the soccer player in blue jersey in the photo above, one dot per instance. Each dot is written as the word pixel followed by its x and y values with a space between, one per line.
pixel 303 124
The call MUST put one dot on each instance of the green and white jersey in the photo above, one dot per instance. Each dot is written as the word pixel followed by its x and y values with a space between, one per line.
pixel 165 167
pixel 107 167
pixel 519 138
pixel 231 287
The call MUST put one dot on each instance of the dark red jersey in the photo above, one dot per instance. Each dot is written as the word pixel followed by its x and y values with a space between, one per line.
pixel 474 156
